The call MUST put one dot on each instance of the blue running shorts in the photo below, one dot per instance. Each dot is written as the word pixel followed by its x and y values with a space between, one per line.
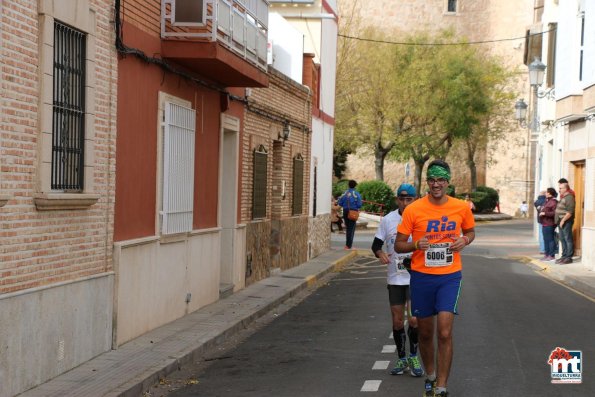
pixel 434 293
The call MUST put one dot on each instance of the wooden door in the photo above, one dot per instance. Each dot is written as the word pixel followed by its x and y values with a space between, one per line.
pixel 579 190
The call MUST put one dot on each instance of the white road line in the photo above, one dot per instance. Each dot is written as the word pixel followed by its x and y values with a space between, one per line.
pixel 390 336
pixel 389 348
pixel 371 385
pixel 381 365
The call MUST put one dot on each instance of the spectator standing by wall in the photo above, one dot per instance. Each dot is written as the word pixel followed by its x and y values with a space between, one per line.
pixel 336 217
pixel 565 220
pixel 538 204
pixel 547 214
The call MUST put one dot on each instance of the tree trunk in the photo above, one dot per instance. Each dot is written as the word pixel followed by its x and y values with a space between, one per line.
pixel 419 167
pixel 471 149
pixel 379 164
pixel 380 153
pixel 473 172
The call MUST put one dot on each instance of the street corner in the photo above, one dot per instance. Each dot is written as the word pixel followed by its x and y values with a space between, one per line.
pixel 340 263
pixel 532 262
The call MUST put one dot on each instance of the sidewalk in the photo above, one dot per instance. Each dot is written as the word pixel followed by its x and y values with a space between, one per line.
pixel 137 365
pixel 573 275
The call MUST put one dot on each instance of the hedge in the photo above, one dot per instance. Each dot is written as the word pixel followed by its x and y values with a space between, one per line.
pixel 485 198
pixel 377 192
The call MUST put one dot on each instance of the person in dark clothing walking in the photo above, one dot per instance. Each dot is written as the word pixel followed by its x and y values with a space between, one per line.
pixel 351 200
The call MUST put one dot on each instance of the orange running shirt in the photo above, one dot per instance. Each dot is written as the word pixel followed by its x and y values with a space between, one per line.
pixel 442 225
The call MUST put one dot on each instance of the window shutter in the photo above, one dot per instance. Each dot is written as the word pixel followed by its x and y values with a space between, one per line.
pixel 178 169
pixel 259 183
pixel 298 184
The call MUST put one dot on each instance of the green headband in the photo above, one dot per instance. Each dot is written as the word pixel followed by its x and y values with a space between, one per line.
pixel 437 171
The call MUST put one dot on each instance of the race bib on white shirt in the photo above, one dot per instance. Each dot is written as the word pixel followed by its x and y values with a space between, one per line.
pixel 439 255
pixel 387 232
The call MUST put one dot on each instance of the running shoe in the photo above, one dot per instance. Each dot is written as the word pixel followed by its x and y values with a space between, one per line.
pixel 415 366
pixel 441 394
pixel 400 367
pixel 430 385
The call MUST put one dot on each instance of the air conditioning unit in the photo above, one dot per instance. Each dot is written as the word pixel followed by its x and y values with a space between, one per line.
pixel 189 12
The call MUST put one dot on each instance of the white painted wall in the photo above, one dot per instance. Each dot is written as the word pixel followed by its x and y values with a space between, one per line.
pixel 328 66
pixel 288 47
pixel 154 278
pixel 589 47
pixel 567 50
pixel 322 155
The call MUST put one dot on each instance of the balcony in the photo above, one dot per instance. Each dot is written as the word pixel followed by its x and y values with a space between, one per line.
pixel 223 40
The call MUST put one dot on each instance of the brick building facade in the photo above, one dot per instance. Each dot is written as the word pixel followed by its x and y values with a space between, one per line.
pixel 57 184
pixel 279 239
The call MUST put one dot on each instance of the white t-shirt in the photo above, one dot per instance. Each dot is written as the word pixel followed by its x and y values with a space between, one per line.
pixel 387 232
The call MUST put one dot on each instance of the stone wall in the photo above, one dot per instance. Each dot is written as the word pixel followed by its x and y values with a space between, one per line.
pixel 258 256
pixel 319 234
pixel 292 243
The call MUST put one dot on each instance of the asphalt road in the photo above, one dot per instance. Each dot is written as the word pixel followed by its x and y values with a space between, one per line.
pixel 511 319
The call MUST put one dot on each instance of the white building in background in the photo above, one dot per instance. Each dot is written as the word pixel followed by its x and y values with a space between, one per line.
pixel 317 20
pixel 566 142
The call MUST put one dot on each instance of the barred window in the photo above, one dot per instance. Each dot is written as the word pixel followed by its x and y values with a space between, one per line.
pixel 68 122
pixel 452 6
pixel 298 184
pixel 259 183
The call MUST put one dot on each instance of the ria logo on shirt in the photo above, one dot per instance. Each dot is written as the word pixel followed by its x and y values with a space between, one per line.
pixel 442 225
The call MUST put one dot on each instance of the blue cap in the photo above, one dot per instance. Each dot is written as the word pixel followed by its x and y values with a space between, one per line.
pixel 406 190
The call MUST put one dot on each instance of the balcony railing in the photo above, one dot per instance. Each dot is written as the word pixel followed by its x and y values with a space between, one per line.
pixel 240 25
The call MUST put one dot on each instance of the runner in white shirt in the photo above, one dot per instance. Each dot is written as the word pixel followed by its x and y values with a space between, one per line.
pixel 398 283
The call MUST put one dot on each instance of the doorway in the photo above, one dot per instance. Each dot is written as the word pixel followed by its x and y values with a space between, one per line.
pixel 579 190
pixel 228 199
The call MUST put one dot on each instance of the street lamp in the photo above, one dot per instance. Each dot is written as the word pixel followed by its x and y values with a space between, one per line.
pixel 520 112
pixel 536 72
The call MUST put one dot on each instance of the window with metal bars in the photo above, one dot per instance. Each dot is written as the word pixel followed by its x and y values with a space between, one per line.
pixel 68 122
pixel 298 184
pixel 452 6
pixel 259 183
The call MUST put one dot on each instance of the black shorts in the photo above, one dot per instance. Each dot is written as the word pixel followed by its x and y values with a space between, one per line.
pixel 398 294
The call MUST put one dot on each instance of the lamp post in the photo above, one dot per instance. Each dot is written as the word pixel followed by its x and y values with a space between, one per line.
pixel 536 73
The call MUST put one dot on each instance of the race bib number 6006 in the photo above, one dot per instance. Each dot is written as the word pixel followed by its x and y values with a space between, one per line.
pixel 439 255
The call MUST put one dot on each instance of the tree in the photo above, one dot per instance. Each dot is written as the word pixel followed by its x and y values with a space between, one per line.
pixel 413 100
pixel 365 98
pixel 496 121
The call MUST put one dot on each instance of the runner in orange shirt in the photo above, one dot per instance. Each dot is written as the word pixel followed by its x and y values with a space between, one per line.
pixel 441 227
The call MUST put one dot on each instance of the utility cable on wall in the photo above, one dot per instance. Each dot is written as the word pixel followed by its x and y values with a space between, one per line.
pixel 441 44
pixel 125 50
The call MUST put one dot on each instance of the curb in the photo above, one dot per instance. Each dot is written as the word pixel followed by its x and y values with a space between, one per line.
pixel 136 386
pixel 137 365
pixel 575 284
